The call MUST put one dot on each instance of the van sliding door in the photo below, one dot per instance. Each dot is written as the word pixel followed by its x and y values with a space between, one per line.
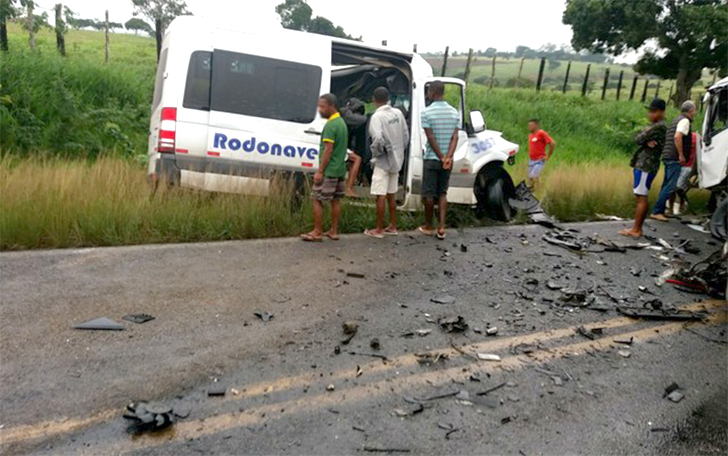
pixel 263 100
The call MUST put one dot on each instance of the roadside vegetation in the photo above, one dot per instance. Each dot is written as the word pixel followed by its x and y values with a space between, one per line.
pixel 73 148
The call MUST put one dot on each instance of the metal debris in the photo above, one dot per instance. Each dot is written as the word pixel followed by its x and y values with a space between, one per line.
pixel 488 357
pixel 355 275
pixel 453 324
pixel 263 315
pixel 430 358
pixel 444 299
pixel 103 324
pixel 660 314
pixel 149 416
pixel 138 318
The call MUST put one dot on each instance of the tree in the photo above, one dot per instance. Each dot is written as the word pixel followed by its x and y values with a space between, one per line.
pixel 7 11
pixel 161 13
pixel 297 15
pixel 138 25
pixel 690 34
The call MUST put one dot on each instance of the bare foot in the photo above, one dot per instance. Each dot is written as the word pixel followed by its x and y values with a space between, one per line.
pixel 312 236
pixel 631 233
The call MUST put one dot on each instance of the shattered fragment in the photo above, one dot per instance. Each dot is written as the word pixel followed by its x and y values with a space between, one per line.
pixel 661 314
pixel 374 343
pixel 453 324
pixel 492 331
pixel 216 389
pixel 149 416
pixel 138 318
pixel 265 316
pixel 676 396
pixel 624 353
pixel 355 275
pixel 444 299
pixel 103 324
pixel 488 357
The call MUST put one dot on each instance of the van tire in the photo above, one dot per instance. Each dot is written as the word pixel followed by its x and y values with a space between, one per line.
pixel 719 220
pixel 493 188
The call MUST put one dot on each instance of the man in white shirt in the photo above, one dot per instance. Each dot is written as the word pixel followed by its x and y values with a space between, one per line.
pixel 389 139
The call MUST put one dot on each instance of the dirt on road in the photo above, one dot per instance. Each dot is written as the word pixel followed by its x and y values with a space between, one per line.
pixel 540 369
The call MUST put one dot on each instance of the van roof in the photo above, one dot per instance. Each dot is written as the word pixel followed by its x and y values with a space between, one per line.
pixel 720 84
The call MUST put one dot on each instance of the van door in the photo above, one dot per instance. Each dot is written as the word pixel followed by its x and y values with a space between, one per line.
pixel 263 101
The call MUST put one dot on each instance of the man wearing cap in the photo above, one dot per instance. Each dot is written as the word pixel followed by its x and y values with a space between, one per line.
pixel 646 162
pixel 678 144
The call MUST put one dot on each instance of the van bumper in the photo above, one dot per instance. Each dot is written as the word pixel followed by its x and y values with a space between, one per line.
pixel 166 170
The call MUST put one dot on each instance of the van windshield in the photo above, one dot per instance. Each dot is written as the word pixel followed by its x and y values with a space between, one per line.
pixel 263 87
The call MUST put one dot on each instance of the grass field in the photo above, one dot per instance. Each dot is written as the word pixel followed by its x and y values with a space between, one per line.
pixel 74 136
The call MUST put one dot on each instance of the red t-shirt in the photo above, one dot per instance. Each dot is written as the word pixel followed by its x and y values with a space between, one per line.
pixel 537 144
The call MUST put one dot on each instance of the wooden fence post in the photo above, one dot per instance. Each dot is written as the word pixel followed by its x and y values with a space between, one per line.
pixel 644 92
pixel 60 30
pixel 657 91
pixel 566 78
pixel 30 26
pixel 540 74
pixel 414 48
pixel 669 96
pixel 586 80
pixel 106 26
pixel 467 65
pixel 606 81
pixel 634 86
pixel 520 69
pixel 492 72
pixel 619 84
pixel 444 61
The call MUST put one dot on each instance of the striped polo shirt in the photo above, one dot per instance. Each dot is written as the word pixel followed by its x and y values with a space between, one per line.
pixel 443 119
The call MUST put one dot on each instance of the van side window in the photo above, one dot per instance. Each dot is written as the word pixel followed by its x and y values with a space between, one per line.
pixel 197 87
pixel 264 87
pixel 159 81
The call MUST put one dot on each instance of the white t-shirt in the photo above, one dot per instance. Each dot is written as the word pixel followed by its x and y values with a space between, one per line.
pixel 683 126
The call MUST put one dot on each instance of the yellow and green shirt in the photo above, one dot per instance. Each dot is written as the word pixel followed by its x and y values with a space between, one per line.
pixel 335 132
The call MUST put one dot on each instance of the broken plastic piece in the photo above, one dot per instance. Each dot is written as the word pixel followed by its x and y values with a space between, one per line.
pixel 216 389
pixel 444 299
pixel 103 324
pixel 265 316
pixel 488 357
pixel 356 275
pixel 138 318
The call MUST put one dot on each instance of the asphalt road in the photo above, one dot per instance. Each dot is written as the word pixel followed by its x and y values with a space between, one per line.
pixel 63 391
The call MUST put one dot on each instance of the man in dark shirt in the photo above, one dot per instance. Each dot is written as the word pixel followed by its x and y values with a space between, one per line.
pixel 646 162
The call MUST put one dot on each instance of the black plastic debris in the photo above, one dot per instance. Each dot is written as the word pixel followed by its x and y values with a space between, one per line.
pixel 707 276
pixel 673 393
pixel 102 324
pixel 453 324
pixel 149 416
pixel 216 389
pixel 355 275
pixel 463 248
pixel 350 329
pixel 525 202
pixel 138 318
pixel 444 299
pixel 263 315
pixel 374 344
pixel 660 314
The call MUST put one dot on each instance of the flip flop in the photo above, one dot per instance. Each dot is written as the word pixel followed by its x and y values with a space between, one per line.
pixel 390 233
pixel 331 236
pixel 425 231
pixel 628 233
pixel 371 233
pixel 440 236
pixel 308 238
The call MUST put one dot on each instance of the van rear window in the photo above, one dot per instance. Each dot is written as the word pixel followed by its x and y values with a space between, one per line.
pixel 264 87
pixel 197 87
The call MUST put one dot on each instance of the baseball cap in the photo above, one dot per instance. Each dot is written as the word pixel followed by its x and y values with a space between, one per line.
pixel 658 104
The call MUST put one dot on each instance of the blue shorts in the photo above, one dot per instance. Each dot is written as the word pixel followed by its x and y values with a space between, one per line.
pixel 535 167
pixel 642 182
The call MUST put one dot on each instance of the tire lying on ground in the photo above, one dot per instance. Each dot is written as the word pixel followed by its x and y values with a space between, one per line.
pixel 493 188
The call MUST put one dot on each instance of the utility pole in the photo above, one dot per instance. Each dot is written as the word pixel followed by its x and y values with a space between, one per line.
pixel 107 36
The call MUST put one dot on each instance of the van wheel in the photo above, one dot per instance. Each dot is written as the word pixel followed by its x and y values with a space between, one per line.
pixel 719 220
pixel 493 188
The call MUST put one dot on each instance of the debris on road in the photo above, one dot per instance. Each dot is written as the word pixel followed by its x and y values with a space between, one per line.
pixel 374 344
pixel 330 387
pixel 385 450
pixel 355 275
pixel 265 316
pixel 138 318
pixel 419 408
pixel 488 357
pixel 430 358
pixel 492 331
pixel 216 389
pixel 624 353
pixel 350 329
pixel 102 324
pixel 624 341
pixel 706 276
pixel 148 416
pixel 526 202
pixel 371 355
pixel 660 314
pixel 444 299
pixel 611 218
pixel 453 324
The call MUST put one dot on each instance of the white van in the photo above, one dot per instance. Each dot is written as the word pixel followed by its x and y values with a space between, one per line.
pixel 712 155
pixel 233 108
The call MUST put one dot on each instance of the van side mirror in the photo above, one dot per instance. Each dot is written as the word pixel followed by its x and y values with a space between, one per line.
pixel 477 122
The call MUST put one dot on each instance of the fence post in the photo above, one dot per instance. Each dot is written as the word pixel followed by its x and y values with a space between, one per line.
pixel 586 80
pixel 492 71
pixel 669 96
pixel 657 91
pixel 606 81
pixel 540 74
pixel 566 79
pixel 520 69
pixel 634 86
pixel 444 61
pixel 60 30
pixel 106 25
pixel 467 65
pixel 619 84
pixel 30 26
pixel 644 92
pixel 414 48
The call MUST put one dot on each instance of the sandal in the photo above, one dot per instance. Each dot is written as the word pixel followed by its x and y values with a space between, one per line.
pixel 390 232
pixel 371 233
pixel 441 235
pixel 310 238
pixel 333 237
pixel 425 231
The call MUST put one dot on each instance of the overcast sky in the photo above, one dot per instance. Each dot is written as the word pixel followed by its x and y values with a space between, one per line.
pixel 431 24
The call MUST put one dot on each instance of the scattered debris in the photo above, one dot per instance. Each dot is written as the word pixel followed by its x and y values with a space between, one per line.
pixel 374 344
pixel 488 357
pixel 103 324
pixel 216 389
pixel 491 389
pixel 624 340
pixel 430 358
pixel 371 355
pixel 551 285
pixel 263 315
pixel 492 331
pixel 611 218
pixel 330 387
pixel 463 248
pixel 350 329
pixel 676 396
pixel 706 276
pixel 385 450
pixel 453 324
pixel 419 408
pixel 526 202
pixel 699 228
pixel 624 353
pixel 149 416
pixel 355 275
pixel 359 371
pixel 660 314
pixel 138 318
pixel 444 299
pixel 557 380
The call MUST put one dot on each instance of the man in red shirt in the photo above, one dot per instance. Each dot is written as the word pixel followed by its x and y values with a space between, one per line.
pixel 537 141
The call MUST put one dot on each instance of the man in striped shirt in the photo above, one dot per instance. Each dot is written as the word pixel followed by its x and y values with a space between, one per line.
pixel 441 123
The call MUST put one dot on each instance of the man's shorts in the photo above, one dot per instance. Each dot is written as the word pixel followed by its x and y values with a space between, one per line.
pixel 642 182
pixel 384 183
pixel 682 180
pixel 535 167
pixel 330 188
pixel 435 180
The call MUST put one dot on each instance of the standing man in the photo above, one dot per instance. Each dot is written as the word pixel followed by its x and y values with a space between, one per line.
pixel 441 123
pixel 646 162
pixel 389 136
pixel 678 145
pixel 537 156
pixel 328 182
